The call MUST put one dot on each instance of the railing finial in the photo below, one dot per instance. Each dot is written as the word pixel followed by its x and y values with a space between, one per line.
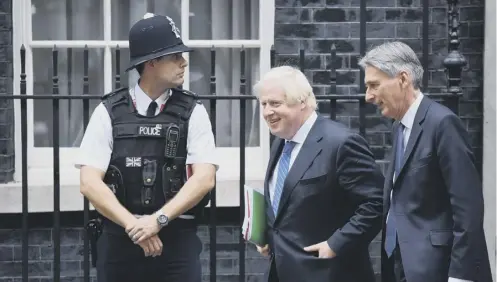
pixel 455 61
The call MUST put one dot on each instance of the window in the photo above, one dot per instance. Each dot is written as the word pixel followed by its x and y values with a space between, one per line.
pixel 102 25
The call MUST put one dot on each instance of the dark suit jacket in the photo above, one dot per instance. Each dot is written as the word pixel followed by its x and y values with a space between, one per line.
pixel 333 192
pixel 437 201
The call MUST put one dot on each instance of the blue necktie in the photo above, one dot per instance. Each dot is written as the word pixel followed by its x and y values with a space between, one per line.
pixel 391 232
pixel 283 166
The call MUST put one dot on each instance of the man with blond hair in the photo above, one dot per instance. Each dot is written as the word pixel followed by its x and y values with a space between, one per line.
pixel 323 189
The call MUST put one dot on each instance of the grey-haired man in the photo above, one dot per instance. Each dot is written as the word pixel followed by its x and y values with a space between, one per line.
pixel 433 201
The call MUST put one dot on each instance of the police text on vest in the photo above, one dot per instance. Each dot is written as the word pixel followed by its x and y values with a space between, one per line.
pixel 150 130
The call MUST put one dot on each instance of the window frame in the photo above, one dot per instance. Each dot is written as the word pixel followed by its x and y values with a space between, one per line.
pixel 40 160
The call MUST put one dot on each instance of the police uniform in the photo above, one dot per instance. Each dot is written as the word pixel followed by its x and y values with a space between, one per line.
pixel 146 149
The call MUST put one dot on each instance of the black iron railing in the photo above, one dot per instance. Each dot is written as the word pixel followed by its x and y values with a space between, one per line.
pixel 453 63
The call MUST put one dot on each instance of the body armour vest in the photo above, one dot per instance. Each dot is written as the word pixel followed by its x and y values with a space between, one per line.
pixel 148 162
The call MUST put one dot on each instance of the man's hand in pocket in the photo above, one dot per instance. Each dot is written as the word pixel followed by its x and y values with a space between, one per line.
pixel 322 249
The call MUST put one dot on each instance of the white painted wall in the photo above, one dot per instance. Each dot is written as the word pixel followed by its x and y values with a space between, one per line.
pixel 489 129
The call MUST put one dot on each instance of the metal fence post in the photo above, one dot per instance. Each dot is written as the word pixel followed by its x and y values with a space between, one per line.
pixel 455 61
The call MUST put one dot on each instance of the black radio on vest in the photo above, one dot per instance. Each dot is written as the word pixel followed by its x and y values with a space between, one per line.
pixel 172 140
pixel 148 162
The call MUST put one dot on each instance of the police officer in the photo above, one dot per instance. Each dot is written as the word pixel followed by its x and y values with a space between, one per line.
pixel 147 164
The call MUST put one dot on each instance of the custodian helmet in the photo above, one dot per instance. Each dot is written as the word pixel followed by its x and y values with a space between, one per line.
pixel 152 37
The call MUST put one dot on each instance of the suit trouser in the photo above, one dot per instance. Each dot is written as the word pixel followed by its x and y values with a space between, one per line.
pixel 120 260
pixel 398 268
pixel 273 274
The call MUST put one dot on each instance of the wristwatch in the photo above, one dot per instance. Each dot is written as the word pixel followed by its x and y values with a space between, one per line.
pixel 162 219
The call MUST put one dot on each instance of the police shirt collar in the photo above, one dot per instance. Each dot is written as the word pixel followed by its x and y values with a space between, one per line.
pixel 143 100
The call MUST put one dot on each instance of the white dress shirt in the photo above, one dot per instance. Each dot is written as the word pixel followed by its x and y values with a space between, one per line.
pixel 408 122
pixel 299 139
pixel 408 119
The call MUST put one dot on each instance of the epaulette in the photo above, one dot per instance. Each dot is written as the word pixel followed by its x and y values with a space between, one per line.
pixel 187 92
pixel 106 96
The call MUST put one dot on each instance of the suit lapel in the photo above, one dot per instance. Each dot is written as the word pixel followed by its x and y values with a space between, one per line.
pixel 416 131
pixel 273 159
pixel 308 152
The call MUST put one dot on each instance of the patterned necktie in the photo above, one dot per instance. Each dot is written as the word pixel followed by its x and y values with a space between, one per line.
pixel 283 166
pixel 391 232
pixel 151 109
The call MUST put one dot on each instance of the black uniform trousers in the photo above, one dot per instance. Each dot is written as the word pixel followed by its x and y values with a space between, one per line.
pixel 120 260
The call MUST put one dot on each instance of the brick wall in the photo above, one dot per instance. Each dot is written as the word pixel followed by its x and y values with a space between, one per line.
pixel 317 24
pixel 41 255
pixel 6 106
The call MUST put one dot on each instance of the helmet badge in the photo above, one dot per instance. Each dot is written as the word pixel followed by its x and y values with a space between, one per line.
pixel 173 27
